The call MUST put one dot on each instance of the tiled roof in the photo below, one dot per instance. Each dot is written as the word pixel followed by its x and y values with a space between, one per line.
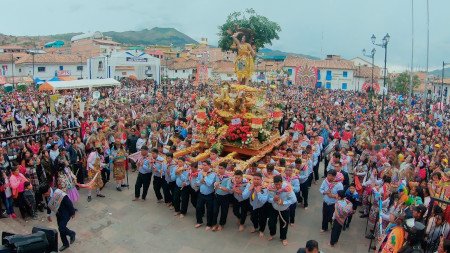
pixel 366 72
pixel 11 47
pixel 106 42
pixel 6 58
pixel 226 67
pixel 268 65
pixel 333 63
pixel 51 59
pixel 181 63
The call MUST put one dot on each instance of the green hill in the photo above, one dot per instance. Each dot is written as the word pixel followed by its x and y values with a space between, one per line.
pixel 154 36
pixel 438 72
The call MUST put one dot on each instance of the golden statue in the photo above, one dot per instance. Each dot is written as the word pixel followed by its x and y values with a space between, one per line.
pixel 244 64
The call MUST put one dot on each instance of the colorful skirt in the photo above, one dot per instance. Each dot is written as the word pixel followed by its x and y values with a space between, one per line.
pixel 119 170
pixel 95 179
pixel 73 195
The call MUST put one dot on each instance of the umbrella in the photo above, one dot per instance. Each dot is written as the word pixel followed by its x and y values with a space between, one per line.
pixel 55 78
pixel 46 87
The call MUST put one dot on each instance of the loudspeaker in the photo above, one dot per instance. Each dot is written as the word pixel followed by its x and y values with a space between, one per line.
pixel 36 242
pixel 4 249
pixel 52 237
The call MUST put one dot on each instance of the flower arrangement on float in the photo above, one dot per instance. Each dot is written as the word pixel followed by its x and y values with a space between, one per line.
pixel 240 132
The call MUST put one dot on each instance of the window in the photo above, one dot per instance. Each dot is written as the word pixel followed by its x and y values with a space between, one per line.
pixel 329 75
pixel 41 69
pixel 176 71
pixel 61 67
pixel 100 65
pixel 290 72
pixel 319 85
pixel 79 68
pixel 328 85
pixel 344 74
pixel 184 71
pixel 318 76
pixel 20 70
pixel 344 86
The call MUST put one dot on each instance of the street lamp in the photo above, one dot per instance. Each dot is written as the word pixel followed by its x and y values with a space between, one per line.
pixel 81 65
pixel 384 44
pixel 371 55
pixel 442 83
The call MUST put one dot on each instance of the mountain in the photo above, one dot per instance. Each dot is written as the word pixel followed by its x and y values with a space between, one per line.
pixel 269 54
pixel 154 36
pixel 438 72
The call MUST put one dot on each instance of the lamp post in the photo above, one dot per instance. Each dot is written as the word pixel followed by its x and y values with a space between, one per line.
pixel 12 67
pixel 81 65
pixel 371 55
pixel 442 83
pixel 383 44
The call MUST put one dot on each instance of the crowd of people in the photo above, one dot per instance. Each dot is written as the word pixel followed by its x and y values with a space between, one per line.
pixel 391 164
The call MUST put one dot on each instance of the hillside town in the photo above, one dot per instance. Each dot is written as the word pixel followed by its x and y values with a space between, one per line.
pixel 95 56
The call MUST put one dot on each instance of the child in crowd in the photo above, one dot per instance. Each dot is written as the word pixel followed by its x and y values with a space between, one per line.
pixel 7 196
pixel 30 200
pixel 342 209
pixel 351 195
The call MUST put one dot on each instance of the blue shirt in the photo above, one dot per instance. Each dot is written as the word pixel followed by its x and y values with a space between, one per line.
pixel 206 187
pixel 158 167
pixel 168 171
pixel 294 182
pixel 257 199
pixel 180 179
pixel 225 182
pixel 145 169
pixel 239 197
pixel 325 187
pixel 287 198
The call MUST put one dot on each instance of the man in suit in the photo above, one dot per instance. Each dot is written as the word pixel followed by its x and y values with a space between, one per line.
pixel 60 204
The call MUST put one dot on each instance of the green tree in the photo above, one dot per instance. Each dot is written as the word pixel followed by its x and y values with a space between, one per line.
pixel 264 30
pixel 401 83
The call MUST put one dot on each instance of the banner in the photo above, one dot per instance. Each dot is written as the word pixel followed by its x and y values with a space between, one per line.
pixel 306 76
pixel 202 74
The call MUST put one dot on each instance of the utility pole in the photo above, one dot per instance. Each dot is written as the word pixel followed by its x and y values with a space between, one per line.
pixel 412 53
pixel 12 68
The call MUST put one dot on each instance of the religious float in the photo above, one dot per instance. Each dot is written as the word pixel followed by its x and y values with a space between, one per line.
pixel 237 122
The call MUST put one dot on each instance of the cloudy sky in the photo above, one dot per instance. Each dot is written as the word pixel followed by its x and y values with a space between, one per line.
pixel 314 27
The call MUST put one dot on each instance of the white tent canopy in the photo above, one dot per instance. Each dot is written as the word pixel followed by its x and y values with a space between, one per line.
pixel 83 84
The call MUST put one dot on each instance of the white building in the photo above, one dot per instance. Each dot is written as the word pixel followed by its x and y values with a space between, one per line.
pixel 48 66
pixel 438 88
pixel 181 68
pixel 332 73
pixel 130 63
pixel 223 71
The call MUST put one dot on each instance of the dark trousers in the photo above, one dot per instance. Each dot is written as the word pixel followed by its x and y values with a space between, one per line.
pixel 181 199
pixel 335 232
pixel 310 179
pixel 202 201
pixel 292 213
pixel 221 204
pixel 326 161
pixel 167 191
pixel 348 221
pixel 305 192
pixel 194 197
pixel 79 172
pixel 63 230
pixel 240 210
pixel 8 202
pixel 327 215
pixel 273 219
pixel 259 217
pixel 20 202
pixel 316 171
pixel 157 185
pixel 143 180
